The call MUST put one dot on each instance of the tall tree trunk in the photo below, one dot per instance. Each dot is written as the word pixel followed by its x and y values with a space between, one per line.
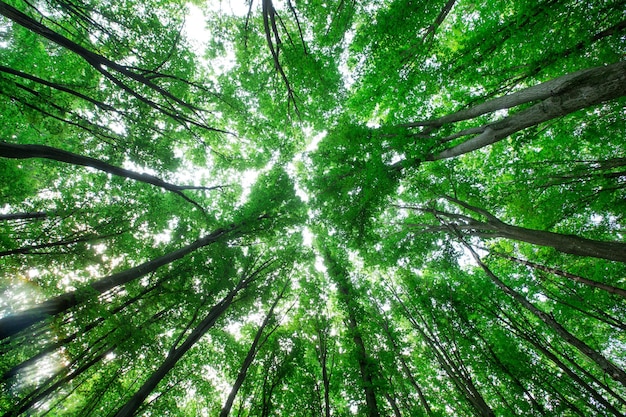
pixel 533 340
pixel 367 369
pixel 65 341
pixel 321 330
pixel 28 250
pixel 104 66
pixel 394 406
pixel 176 353
pixel 575 91
pixel 572 244
pixel 256 344
pixel 19 321
pixel 456 373
pixel 577 278
pixel 586 79
pixel 24 216
pixel 405 366
pixel 607 366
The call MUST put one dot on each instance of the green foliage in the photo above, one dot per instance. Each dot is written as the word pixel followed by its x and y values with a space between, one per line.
pixel 368 241
pixel 353 179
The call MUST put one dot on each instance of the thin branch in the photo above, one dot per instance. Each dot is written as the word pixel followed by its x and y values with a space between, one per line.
pixel 56 86
pixel 271 31
pixel 295 15
pixel 100 62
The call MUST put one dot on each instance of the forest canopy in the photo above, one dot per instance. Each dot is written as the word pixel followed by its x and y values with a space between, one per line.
pixel 312 208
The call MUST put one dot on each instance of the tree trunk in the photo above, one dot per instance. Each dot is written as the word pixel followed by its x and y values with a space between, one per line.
pixel 532 339
pixel 256 344
pixel 575 91
pixel 607 366
pixel 572 244
pixel 24 216
pixel 365 366
pixel 456 371
pixel 394 406
pixel 28 250
pixel 14 151
pixel 595 284
pixel 460 379
pixel 321 330
pixel 134 403
pixel 19 321
pixel 405 366
pixel 587 78
pixel 65 341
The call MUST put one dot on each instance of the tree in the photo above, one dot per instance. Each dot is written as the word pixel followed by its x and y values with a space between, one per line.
pixel 256 344
pixel 391 208
pixel 177 351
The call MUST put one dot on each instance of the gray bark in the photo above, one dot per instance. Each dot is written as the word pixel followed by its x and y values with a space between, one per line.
pixel 24 216
pixel 561 96
pixel 366 368
pixel 256 344
pixel 572 244
pixel 106 67
pixel 15 151
pixel 577 278
pixel 541 91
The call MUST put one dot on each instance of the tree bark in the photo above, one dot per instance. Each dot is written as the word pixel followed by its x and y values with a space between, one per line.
pixel 321 330
pixel 560 97
pixel 541 91
pixel 24 216
pixel 577 278
pixel 461 380
pixel 365 366
pixel 572 244
pixel 392 402
pixel 607 366
pixel 256 344
pixel 532 339
pixel 19 321
pixel 28 250
pixel 405 366
pixel 103 65
pixel 134 403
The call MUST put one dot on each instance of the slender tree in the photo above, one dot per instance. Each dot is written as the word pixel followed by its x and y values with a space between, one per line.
pixel 366 366
pixel 17 322
pixel 494 227
pixel 245 365
pixel 177 351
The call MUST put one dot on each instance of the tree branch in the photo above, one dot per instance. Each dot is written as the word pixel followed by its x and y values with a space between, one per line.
pixel 14 151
